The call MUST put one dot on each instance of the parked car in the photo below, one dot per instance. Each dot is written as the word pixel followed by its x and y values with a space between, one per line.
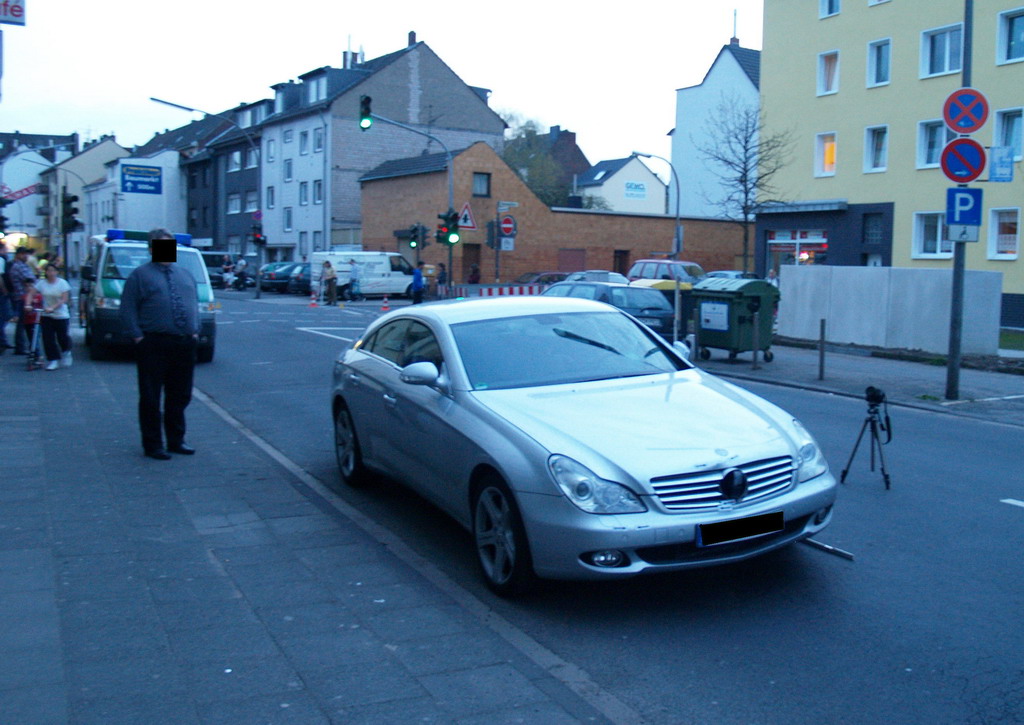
pixel 732 274
pixel 572 441
pixel 647 305
pixel 276 280
pixel 214 262
pixel 689 272
pixel 298 278
pixel 541 277
pixel 271 275
pixel 597 275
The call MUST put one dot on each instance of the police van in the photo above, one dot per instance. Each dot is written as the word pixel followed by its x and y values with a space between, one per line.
pixel 112 258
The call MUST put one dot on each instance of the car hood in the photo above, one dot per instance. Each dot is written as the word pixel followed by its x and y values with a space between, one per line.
pixel 647 426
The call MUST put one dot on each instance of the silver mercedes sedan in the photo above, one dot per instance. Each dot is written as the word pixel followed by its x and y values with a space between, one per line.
pixel 572 441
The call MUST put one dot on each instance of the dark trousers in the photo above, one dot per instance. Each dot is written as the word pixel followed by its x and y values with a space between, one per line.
pixel 417 296
pixel 22 333
pixel 165 364
pixel 55 337
pixel 5 316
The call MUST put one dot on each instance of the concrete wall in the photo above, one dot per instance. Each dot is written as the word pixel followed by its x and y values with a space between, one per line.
pixel 894 308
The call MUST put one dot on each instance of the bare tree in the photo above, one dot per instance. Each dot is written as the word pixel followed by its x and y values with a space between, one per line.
pixel 527 152
pixel 745 159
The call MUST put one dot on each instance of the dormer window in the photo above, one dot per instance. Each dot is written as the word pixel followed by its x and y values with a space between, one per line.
pixel 317 88
pixel 279 102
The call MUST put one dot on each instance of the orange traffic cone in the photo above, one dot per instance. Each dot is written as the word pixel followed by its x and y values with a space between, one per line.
pixel 384 306
pixel 312 299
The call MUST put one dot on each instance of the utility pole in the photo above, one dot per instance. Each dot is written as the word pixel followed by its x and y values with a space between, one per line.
pixel 956 301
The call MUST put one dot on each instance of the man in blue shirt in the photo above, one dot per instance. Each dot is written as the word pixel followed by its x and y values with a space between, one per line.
pixel 418 285
pixel 160 310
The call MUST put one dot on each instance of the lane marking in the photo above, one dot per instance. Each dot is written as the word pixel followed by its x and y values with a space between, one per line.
pixel 317 331
pixel 982 399
pixel 1012 502
pixel 573 677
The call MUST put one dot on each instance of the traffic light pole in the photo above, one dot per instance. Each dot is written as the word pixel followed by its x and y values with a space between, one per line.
pixel 451 177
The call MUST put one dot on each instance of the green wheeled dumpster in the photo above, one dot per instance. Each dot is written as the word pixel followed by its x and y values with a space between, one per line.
pixel 725 318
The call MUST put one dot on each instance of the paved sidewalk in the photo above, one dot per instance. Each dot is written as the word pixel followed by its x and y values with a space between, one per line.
pixel 215 588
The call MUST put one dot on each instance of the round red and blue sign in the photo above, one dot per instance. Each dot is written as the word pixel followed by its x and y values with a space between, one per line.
pixel 963 160
pixel 965 110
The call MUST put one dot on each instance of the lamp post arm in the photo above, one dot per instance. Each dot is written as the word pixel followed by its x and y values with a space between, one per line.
pixel 448 153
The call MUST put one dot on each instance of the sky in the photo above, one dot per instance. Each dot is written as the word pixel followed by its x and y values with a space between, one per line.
pixel 607 72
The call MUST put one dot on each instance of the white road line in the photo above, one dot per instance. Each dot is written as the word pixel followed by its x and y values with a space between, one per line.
pixel 317 331
pixel 982 400
pixel 573 677
pixel 1012 502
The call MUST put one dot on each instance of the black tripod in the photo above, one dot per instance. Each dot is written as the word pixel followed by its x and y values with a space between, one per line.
pixel 875 398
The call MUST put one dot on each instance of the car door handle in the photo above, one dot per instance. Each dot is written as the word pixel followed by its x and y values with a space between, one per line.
pixel 390 400
pixel 354 379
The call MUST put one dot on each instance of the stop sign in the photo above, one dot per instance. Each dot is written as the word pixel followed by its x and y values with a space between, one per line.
pixel 508 225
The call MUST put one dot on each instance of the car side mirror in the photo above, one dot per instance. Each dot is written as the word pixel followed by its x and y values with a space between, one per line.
pixel 684 347
pixel 420 373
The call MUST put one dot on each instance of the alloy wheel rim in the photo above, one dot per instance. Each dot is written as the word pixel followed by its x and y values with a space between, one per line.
pixel 494 535
pixel 344 444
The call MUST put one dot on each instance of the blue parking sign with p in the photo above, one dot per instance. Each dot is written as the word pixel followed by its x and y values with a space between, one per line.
pixel 963 207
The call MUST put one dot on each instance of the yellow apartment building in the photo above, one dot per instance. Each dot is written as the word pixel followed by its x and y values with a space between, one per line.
pixel 861 85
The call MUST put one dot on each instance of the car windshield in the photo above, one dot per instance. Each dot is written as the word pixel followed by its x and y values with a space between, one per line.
pixel 635 298
pixel 551 349
pixel 122 261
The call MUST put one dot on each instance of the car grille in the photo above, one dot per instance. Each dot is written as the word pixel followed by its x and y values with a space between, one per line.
pixel 699 491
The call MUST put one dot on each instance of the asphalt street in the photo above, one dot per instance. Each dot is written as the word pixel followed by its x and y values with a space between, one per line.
pixel 246 584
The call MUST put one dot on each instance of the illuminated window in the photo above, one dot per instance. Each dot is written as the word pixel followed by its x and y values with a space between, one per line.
pixel 1004 234
pixel 825 154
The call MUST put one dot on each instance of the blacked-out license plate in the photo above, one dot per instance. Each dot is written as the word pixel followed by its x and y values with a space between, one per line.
pixel 723 531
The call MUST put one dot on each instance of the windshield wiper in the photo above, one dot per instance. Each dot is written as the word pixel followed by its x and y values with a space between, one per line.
pixel 579 338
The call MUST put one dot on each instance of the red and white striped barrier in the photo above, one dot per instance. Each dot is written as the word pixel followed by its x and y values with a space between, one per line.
pixel 496 290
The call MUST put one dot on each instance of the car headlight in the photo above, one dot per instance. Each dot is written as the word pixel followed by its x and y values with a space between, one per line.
pixel 590 492
pixel 811 461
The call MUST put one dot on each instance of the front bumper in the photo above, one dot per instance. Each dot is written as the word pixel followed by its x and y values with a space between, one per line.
pixel 561 535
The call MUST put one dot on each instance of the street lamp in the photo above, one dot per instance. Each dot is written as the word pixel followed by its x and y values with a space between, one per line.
pixel 256 152
pixel 677 244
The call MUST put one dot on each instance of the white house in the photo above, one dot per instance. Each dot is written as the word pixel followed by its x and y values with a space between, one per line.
pixel 624 185
pixel 734 79
pixel 138 193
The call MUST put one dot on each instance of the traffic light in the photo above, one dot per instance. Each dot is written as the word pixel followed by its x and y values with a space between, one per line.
pixel 257 235
pixel 365 115
pixel 414 236
pixel 448 229
pixel 68 214
pixel 3 219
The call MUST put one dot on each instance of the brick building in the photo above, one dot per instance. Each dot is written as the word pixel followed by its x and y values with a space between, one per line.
pixel 404 192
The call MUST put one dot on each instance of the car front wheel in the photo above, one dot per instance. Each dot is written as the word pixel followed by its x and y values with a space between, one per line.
pixel 500 539
pixel 346 449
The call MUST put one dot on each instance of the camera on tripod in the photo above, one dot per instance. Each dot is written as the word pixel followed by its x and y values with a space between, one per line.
pixel 874 422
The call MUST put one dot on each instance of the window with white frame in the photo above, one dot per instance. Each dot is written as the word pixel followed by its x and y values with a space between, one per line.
pixel 828 72
pixel 250 159
pixel 930 235
pixel 287 218
pixel 876 149
pixel 234 244
pixel 234 203
pixel 1004 234
pixel 317 89
pixel 303 193
pixel 271 149
pixel 825 154
pixel 879 62
pixel 287 136
pixel 234 161
pixel 318 139
pixel 481 184
pixel 941 50
pixel 877 2
pixel 932 137
pixel 287 169
pixel 1008 131
pixel 304 142
pixel 303 243
pixel 827 8
pixel 318 191
pixel 318 240
pixel 252 200
pixel 1010 45
pixel 271 197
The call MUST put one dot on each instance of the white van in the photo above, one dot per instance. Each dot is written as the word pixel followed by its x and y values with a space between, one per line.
pixel 380 273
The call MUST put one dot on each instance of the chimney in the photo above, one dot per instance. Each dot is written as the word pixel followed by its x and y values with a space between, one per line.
pixel 412 37
pixel 346 59
pixel 734 41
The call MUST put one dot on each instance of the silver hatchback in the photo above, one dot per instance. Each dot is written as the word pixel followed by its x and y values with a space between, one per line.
pixel 572 441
